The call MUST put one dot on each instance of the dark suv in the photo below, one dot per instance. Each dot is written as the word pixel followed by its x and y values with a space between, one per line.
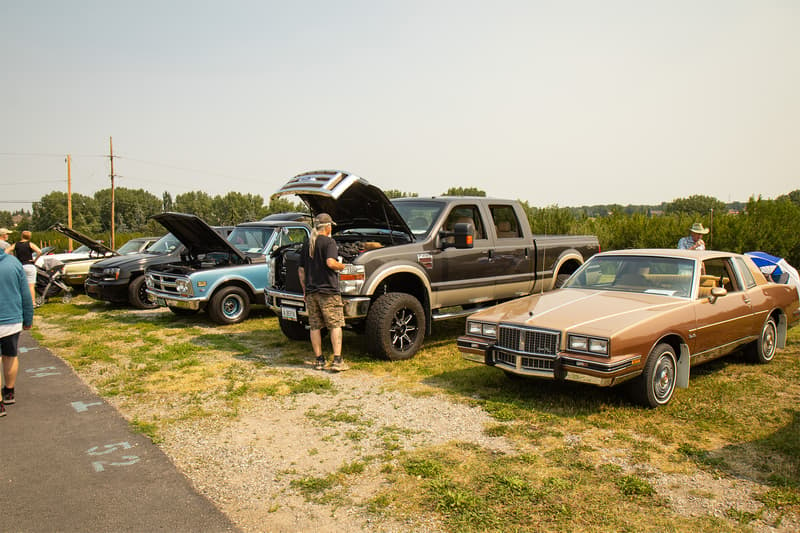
pixel 121 279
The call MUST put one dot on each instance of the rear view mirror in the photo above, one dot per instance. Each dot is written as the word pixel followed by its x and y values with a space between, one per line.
pixel 464 235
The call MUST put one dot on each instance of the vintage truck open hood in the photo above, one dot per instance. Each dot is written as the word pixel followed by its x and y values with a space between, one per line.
pixel 350 200
pixel 198 237
pixel 99 248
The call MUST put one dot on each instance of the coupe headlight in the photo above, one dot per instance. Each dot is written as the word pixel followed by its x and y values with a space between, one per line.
pixel 481 329
pixel 583 343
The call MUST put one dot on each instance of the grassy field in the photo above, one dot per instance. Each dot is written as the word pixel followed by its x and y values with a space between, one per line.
pixel 589 459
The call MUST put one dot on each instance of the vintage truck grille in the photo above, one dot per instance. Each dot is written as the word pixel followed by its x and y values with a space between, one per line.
pixel 163 282
pixel 528 341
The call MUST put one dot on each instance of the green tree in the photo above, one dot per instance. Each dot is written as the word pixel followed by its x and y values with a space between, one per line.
pixel 394 193
pixel 236 207
pixel 695 205
pixel 465 191
pixel 282 205
pixel 166 202
pixel 195 203
pixel 132 208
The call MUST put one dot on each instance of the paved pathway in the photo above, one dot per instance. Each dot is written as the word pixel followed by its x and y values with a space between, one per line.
pixel 69 462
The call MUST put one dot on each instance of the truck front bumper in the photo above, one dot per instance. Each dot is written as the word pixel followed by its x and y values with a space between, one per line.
pixel 292 306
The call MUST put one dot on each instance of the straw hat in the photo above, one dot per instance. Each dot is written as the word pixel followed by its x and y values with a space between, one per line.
pixel 5 231
pixel 697 227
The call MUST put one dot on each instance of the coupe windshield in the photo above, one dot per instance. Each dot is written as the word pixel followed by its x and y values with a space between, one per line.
pixel 251 240
pixel 668 276
pixel 419 215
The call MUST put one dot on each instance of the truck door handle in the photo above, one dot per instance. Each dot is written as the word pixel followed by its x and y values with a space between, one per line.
pixel 491 255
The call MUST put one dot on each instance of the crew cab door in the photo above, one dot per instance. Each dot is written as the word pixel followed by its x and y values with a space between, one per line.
pixel 513 254
pixel 466 275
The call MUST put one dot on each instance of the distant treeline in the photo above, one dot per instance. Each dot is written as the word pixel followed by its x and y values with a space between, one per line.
pixel 772 226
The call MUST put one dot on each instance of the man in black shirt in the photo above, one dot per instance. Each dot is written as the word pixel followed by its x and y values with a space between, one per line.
pixel 319 276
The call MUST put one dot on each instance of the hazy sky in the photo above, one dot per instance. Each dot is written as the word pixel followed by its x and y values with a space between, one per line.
pixel 554 102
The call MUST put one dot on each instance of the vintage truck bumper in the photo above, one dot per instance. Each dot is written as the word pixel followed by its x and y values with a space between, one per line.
pixel 168 301
pixel 561 367
pixel 291 305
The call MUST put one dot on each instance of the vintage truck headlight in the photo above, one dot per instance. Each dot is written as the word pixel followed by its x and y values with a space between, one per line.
pixel 586 344
pixel 183 287
pixel 482 329
pixel 351 279
pixel 148 280
pixel 111 274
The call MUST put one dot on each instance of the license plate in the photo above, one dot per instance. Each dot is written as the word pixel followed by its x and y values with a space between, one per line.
pixel 289 313
pixel 161 302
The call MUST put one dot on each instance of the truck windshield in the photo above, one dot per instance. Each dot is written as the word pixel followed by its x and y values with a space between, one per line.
pixel 251 240
pixel 419 215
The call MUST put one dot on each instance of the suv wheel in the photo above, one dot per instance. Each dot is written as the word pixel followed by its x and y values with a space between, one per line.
pixel 137 294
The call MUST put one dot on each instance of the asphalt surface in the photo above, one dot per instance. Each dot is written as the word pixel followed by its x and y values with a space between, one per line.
pixel 69 462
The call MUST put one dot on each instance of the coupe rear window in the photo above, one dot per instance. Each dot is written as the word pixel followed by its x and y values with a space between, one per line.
pixel 667 276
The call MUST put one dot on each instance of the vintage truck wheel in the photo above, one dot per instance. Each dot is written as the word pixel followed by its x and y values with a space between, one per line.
pixel 655 386
pixel 137 294
pixel 229 305
pixel 395 326
pixel 295 331
pixel 763 350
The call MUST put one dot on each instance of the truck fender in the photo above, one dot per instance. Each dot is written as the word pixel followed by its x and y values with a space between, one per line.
pixel 392 269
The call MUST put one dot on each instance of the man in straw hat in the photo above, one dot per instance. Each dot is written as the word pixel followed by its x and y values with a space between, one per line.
pixel 4 239
pixel 695 239
pixel 319 276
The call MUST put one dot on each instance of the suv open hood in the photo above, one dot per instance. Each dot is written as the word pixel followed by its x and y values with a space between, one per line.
pixel 350 200
pixel 198 237
pixel 99 248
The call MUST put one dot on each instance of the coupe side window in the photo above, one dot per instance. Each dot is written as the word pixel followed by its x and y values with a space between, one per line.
pixel 747 276
pixel 718 273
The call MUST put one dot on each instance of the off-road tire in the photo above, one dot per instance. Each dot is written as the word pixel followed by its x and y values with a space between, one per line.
pixel 229 305
pixel 293 330
pixel 137 294
pixel 395 326
pixel 560 280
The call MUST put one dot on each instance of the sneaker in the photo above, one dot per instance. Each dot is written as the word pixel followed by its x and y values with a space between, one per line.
pixel 338 364
pixel 2 409
pixel 8 396
pixel 320 364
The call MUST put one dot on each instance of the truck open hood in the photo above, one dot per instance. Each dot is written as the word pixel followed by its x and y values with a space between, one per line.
pixel 350 200
pixel 99 248
pixel 198 237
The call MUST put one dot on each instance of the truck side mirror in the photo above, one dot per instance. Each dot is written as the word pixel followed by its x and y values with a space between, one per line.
pixel 464 235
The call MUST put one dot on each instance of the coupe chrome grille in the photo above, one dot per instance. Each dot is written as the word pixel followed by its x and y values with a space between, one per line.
pixel 528 341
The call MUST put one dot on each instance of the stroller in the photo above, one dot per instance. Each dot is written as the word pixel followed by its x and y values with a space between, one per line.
pixel 49 281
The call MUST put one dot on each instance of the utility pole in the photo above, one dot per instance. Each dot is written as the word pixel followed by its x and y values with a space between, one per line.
pixel 111 158
pixel 69 198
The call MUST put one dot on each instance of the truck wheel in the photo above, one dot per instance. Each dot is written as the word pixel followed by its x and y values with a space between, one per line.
pixel 560 280
pixel 137 294
pixel 395 326
pixel 229 305
pixel 295 331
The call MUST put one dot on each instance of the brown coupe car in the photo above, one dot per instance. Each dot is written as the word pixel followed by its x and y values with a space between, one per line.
pixel 648 315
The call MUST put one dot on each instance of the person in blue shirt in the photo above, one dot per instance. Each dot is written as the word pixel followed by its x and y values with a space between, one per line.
pixel 16 314
pixel 694 241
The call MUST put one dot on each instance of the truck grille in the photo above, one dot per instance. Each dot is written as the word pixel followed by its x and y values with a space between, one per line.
pixel 528 341
pixel 163 282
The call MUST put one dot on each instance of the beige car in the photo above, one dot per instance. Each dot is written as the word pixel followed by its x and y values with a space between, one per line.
pixel 644 315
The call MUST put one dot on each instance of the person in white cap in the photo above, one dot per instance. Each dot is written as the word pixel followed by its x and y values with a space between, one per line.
pixel 4 239
pixel 694 241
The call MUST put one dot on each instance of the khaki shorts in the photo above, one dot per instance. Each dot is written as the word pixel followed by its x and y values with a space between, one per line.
pixel 324 310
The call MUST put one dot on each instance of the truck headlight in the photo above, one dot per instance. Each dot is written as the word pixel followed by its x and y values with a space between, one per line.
pixel 183 287
pixel 481 329
pixel 586 344
pixel 351 279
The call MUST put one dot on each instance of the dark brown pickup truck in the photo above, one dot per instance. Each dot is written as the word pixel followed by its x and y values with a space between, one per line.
pixel 413 261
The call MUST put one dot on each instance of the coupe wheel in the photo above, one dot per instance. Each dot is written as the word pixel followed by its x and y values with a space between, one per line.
pixel 763 350
pixel 229 305
pixel 395 326
pixel 656 385
pixel 137 295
